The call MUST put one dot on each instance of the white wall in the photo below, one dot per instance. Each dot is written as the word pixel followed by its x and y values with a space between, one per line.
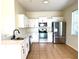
pixel 10 8
pixel 0 16
pixel 8 18
pixel 44 14
pixel 71 40
pixel 18 10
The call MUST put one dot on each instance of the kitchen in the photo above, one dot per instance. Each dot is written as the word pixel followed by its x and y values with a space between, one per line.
pixel 15 14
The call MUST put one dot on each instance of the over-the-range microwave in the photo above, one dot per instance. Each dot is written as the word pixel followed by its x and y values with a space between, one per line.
pixel 44 24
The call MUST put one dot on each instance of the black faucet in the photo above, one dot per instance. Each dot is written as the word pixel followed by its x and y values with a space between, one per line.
pixel 13 37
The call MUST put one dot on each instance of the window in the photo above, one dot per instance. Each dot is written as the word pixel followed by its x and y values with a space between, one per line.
pixel 74 29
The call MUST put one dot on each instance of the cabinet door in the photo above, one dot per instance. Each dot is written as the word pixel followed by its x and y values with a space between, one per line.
pixel 36 23
pixel 31 23
pixel 43 19
pixel 22 52
pixel 49 23
pixel 25 47
pixel 35 37
pixel 57 18
pixel 40 20
pixel 49 37
pixel 25 21
pixel 22 21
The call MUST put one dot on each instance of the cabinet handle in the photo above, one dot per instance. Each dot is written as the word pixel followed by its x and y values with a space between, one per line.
pixel 23 51
pixel 22 46
pixel 27 45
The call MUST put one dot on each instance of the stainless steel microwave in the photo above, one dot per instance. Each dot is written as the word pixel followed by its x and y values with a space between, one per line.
pixel 43 24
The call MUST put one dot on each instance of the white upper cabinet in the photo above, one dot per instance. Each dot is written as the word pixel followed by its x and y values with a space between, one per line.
pixel 57 19
pixel 36 23
pixel 42 19
pixel 49 21
pixel 22 21
pixel 33 22
pixel 30 23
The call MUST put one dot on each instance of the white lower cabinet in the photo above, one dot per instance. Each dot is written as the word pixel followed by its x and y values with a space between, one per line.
pixel 49 37
pixel 13 51
pixel 35 37
pixel 25 48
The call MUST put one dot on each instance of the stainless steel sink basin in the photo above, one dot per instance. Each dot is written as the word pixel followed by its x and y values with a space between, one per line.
pixel 19 38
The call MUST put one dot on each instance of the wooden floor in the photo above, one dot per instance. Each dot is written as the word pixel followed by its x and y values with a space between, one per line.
pixel 51 51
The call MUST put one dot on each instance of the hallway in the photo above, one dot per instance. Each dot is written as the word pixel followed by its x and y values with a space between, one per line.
pixel 51 51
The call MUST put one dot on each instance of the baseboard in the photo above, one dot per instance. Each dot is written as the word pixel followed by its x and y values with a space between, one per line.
pixel 41 42
pixel 72 47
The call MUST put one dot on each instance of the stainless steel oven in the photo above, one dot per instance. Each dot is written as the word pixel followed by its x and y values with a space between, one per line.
pixel 43 35
pixel 43 32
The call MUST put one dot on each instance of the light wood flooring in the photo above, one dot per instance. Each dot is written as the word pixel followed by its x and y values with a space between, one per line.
pixel 52 51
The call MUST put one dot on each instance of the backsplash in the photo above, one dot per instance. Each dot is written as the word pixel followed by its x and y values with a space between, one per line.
pixel 23 32
pixel 5 36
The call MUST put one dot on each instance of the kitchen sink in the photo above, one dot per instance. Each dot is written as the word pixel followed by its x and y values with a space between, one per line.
pixel 19 38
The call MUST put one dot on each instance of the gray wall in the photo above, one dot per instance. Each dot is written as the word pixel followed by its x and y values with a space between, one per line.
pixel 72 40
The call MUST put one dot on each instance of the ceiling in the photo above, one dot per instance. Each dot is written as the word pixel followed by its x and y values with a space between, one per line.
pixel 53 5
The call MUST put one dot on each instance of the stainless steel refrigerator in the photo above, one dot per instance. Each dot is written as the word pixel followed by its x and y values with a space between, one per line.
pixel 59 32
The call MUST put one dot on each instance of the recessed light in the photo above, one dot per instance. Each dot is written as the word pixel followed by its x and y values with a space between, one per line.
pixel 45 2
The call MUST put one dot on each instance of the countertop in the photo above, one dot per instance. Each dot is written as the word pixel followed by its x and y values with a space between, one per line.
pixel 14 42
pixel 11 42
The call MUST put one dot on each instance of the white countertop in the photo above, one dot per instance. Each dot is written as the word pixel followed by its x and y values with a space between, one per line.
pixel 11 42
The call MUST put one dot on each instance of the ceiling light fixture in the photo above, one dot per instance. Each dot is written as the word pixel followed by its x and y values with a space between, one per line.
pixel 45 1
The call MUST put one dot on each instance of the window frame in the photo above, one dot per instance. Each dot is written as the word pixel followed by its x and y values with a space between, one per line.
pixel 72 23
